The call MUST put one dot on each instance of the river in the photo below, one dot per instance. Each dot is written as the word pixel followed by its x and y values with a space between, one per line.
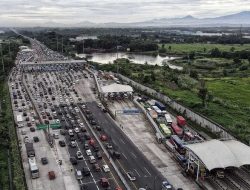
pixel 105 58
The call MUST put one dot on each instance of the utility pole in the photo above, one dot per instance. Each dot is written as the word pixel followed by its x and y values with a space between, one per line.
pixel 116 56
pixel 62 44
pixel 9 50
pixel 56 42
pixel 2 58
pixel 82 46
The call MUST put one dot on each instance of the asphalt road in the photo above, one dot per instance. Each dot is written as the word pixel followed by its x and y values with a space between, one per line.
pixel 131 158
pixel 92 181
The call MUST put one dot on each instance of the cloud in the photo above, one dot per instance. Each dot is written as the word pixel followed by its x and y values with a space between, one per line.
pixel 68 11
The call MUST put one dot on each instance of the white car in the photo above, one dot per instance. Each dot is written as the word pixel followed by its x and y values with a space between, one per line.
pixel 131 176
pixel 105 168
pixel 81 124
pixel 88 152
pixel 73 144
pixel 76 130
pixel 71 132
pixel 79 155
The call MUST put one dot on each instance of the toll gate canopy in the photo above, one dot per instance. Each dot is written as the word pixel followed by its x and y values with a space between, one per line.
pixel 221 154
pixel 116 88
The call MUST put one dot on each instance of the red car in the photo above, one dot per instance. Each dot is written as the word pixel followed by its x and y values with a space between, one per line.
pixel 104 182
pixel 103 137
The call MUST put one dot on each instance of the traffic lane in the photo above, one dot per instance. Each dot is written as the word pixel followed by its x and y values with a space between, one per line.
pixel 134 159
pixel 94 179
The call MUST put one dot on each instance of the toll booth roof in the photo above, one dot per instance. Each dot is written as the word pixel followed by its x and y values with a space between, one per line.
pixel 221 154
pixel 116 88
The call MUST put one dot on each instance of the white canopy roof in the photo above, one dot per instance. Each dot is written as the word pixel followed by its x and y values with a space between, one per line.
pixel 221 154
pixel 116 88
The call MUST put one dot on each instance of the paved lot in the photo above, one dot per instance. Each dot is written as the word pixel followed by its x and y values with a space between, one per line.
pixel 146 142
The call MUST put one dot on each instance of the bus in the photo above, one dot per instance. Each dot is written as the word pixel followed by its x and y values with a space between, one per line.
pixel 165 130
pixel 178 143
pixel 176 129
pixel 33 168
pixel 158 111
pixel 168 118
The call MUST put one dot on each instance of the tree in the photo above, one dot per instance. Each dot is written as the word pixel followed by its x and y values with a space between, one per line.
pixel 153 76
pixel 237 60
pixel 232 49
pixel 203 92
pixel 191 55
pixel 169 48
pixel 163 46
pixel 193 74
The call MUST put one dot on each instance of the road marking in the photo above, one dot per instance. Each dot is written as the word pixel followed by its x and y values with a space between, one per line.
pixel 122 141
pixel 133 154
pixel 124 156
pixel 147 171
pixel 137 173
pixel 81 181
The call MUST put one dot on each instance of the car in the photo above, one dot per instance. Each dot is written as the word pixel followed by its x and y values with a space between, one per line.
pixel 26 139
pixel 76 130
pixel 166 185
pixel 87 136
pixel 56 135
pixel 96 167
pixel 23 132
pixel 62 132
pixel 32 129
pixel 81 124
pixel 44 160
pixel 119 188
pixel 70 131
pixel 78 174
pixel 86 146
pixel 83 129
pixel 86 171
pixel 96 148
pixel 73 160
pixel 99 105
pixel 103 137
pixel 35 139
pixel 62 143
pixel 92 160
pixel 51 175
pixel 73 144
pixel 79 155
pixel 131 176
pixel 93 122
pixel 88 152
pixel 98 128
pixel 104 182
pixel 109 146
pixel 105 168
pixel 98 155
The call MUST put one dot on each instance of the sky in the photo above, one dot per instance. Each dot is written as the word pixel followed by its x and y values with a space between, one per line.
pixel 35 12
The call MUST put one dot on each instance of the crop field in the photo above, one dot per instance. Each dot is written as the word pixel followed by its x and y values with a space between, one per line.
pixel 202 48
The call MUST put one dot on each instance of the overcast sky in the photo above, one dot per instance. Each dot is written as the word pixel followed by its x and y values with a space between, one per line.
pixel 24 12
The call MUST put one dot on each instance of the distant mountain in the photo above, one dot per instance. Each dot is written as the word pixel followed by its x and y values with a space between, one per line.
pixel 242 18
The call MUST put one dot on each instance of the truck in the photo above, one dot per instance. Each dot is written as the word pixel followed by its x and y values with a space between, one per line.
pixel 19 119
pixel 30 150
pixel 181 121
pixel 33 168
pixel 160 106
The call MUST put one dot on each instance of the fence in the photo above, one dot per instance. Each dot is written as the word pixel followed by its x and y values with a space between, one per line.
pixel 197 118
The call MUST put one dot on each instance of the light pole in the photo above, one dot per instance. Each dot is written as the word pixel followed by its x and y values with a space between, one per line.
pixel 2 58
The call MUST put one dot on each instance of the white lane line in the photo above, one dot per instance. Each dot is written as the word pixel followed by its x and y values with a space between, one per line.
pixel 147 171
pixel 89 169
pixel 124 156
pixel 122 141
pixel 133 154
pixel 137 172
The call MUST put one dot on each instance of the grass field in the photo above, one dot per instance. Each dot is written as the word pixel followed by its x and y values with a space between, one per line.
pixel 199 47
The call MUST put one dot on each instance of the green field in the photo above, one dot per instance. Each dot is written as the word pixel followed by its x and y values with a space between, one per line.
pixel 202 48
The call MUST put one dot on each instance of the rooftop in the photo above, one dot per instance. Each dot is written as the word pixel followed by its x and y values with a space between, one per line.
pixel 221 154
